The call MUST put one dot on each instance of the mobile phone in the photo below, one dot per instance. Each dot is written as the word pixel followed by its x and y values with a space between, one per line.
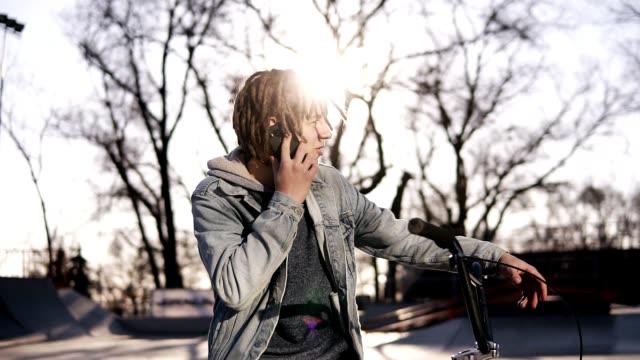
pixel 276 135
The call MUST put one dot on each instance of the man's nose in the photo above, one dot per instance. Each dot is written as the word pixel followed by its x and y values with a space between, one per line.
pixel 324 130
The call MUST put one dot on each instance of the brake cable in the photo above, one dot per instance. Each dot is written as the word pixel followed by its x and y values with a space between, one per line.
pixel 472 289
pixel 566 303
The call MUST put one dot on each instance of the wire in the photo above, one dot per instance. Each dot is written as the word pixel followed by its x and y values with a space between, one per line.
pixel 566 303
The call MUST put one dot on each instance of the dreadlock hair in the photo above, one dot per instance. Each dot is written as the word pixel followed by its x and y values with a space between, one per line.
pixel 277 93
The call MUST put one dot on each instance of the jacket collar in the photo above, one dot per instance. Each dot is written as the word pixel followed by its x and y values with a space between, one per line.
pixel 232 169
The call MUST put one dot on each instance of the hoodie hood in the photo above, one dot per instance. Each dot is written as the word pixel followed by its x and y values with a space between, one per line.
pixel 232 169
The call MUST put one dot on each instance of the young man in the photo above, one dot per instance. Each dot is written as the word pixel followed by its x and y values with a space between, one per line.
pixel 277 237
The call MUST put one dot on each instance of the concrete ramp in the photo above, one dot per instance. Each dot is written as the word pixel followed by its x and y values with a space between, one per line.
pixel 98 321
pixel 10 327
pixel 91 316
pixel 31 306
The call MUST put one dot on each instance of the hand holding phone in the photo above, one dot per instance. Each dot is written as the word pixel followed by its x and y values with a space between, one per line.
pixel 292 177
pixel 276 135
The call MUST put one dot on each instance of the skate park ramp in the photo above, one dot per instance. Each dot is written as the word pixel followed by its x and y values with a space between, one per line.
pixel 98 321
pixel 32 306
pixel 93 318
pixel 10 326
pixel 521 335
pixel 34 309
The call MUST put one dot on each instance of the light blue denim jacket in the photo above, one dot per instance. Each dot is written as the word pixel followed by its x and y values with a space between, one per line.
pixel 244 249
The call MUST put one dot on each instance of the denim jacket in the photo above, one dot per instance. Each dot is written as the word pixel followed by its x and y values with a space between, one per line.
pixel 244 249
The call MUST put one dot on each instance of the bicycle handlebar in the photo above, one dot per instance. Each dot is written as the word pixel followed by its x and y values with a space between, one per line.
pixel 472 290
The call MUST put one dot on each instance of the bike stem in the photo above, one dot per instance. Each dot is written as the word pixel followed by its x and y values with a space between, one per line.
pixel 476 305
pixel 471 285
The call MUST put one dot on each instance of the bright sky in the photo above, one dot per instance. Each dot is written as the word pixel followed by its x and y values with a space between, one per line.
pixel 41 70
pixel 44 69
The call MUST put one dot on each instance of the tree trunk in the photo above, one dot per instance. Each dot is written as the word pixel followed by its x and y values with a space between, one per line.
pixel 173 277
pixel 391 287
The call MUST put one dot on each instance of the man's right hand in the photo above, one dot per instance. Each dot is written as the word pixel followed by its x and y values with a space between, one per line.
pixel 533 290
pixel 293 176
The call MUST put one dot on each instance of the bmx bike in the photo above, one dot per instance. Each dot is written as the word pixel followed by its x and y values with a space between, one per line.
pixel 469 274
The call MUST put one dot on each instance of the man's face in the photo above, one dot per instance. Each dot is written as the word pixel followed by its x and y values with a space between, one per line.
pixel 316 131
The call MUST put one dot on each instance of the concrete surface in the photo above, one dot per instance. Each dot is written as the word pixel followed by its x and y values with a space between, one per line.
pixel 65 326
pixel 542 338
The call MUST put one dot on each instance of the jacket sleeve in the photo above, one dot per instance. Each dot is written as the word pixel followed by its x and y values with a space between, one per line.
pixel 241 258
pixel 379 233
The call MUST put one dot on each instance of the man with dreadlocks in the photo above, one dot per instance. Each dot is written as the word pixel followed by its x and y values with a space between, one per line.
pixel 277 237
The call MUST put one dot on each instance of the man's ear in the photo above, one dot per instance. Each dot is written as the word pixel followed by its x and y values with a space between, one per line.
pixel 272 121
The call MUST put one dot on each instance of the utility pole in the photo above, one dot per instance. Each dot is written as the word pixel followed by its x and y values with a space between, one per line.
pixel 15 27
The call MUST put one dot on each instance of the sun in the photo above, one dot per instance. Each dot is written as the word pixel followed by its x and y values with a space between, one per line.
pixel 312 51
pixel 323 74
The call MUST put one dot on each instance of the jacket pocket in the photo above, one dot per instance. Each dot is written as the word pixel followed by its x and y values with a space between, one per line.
pixel 346 226
pixel 222 335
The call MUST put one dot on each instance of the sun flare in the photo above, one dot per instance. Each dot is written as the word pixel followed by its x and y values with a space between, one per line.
pixel 330 75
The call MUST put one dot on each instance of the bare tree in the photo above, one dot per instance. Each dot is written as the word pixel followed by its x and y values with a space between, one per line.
pixel 347 26
pixel 396 209
pixel 465 96
pixel 605 204
pixel 631 227
pixel 467 78
pixel 145 54
pixel 124 286
pixel 597 217
pixel 591 217
pixel 628 12
pixel 34 163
